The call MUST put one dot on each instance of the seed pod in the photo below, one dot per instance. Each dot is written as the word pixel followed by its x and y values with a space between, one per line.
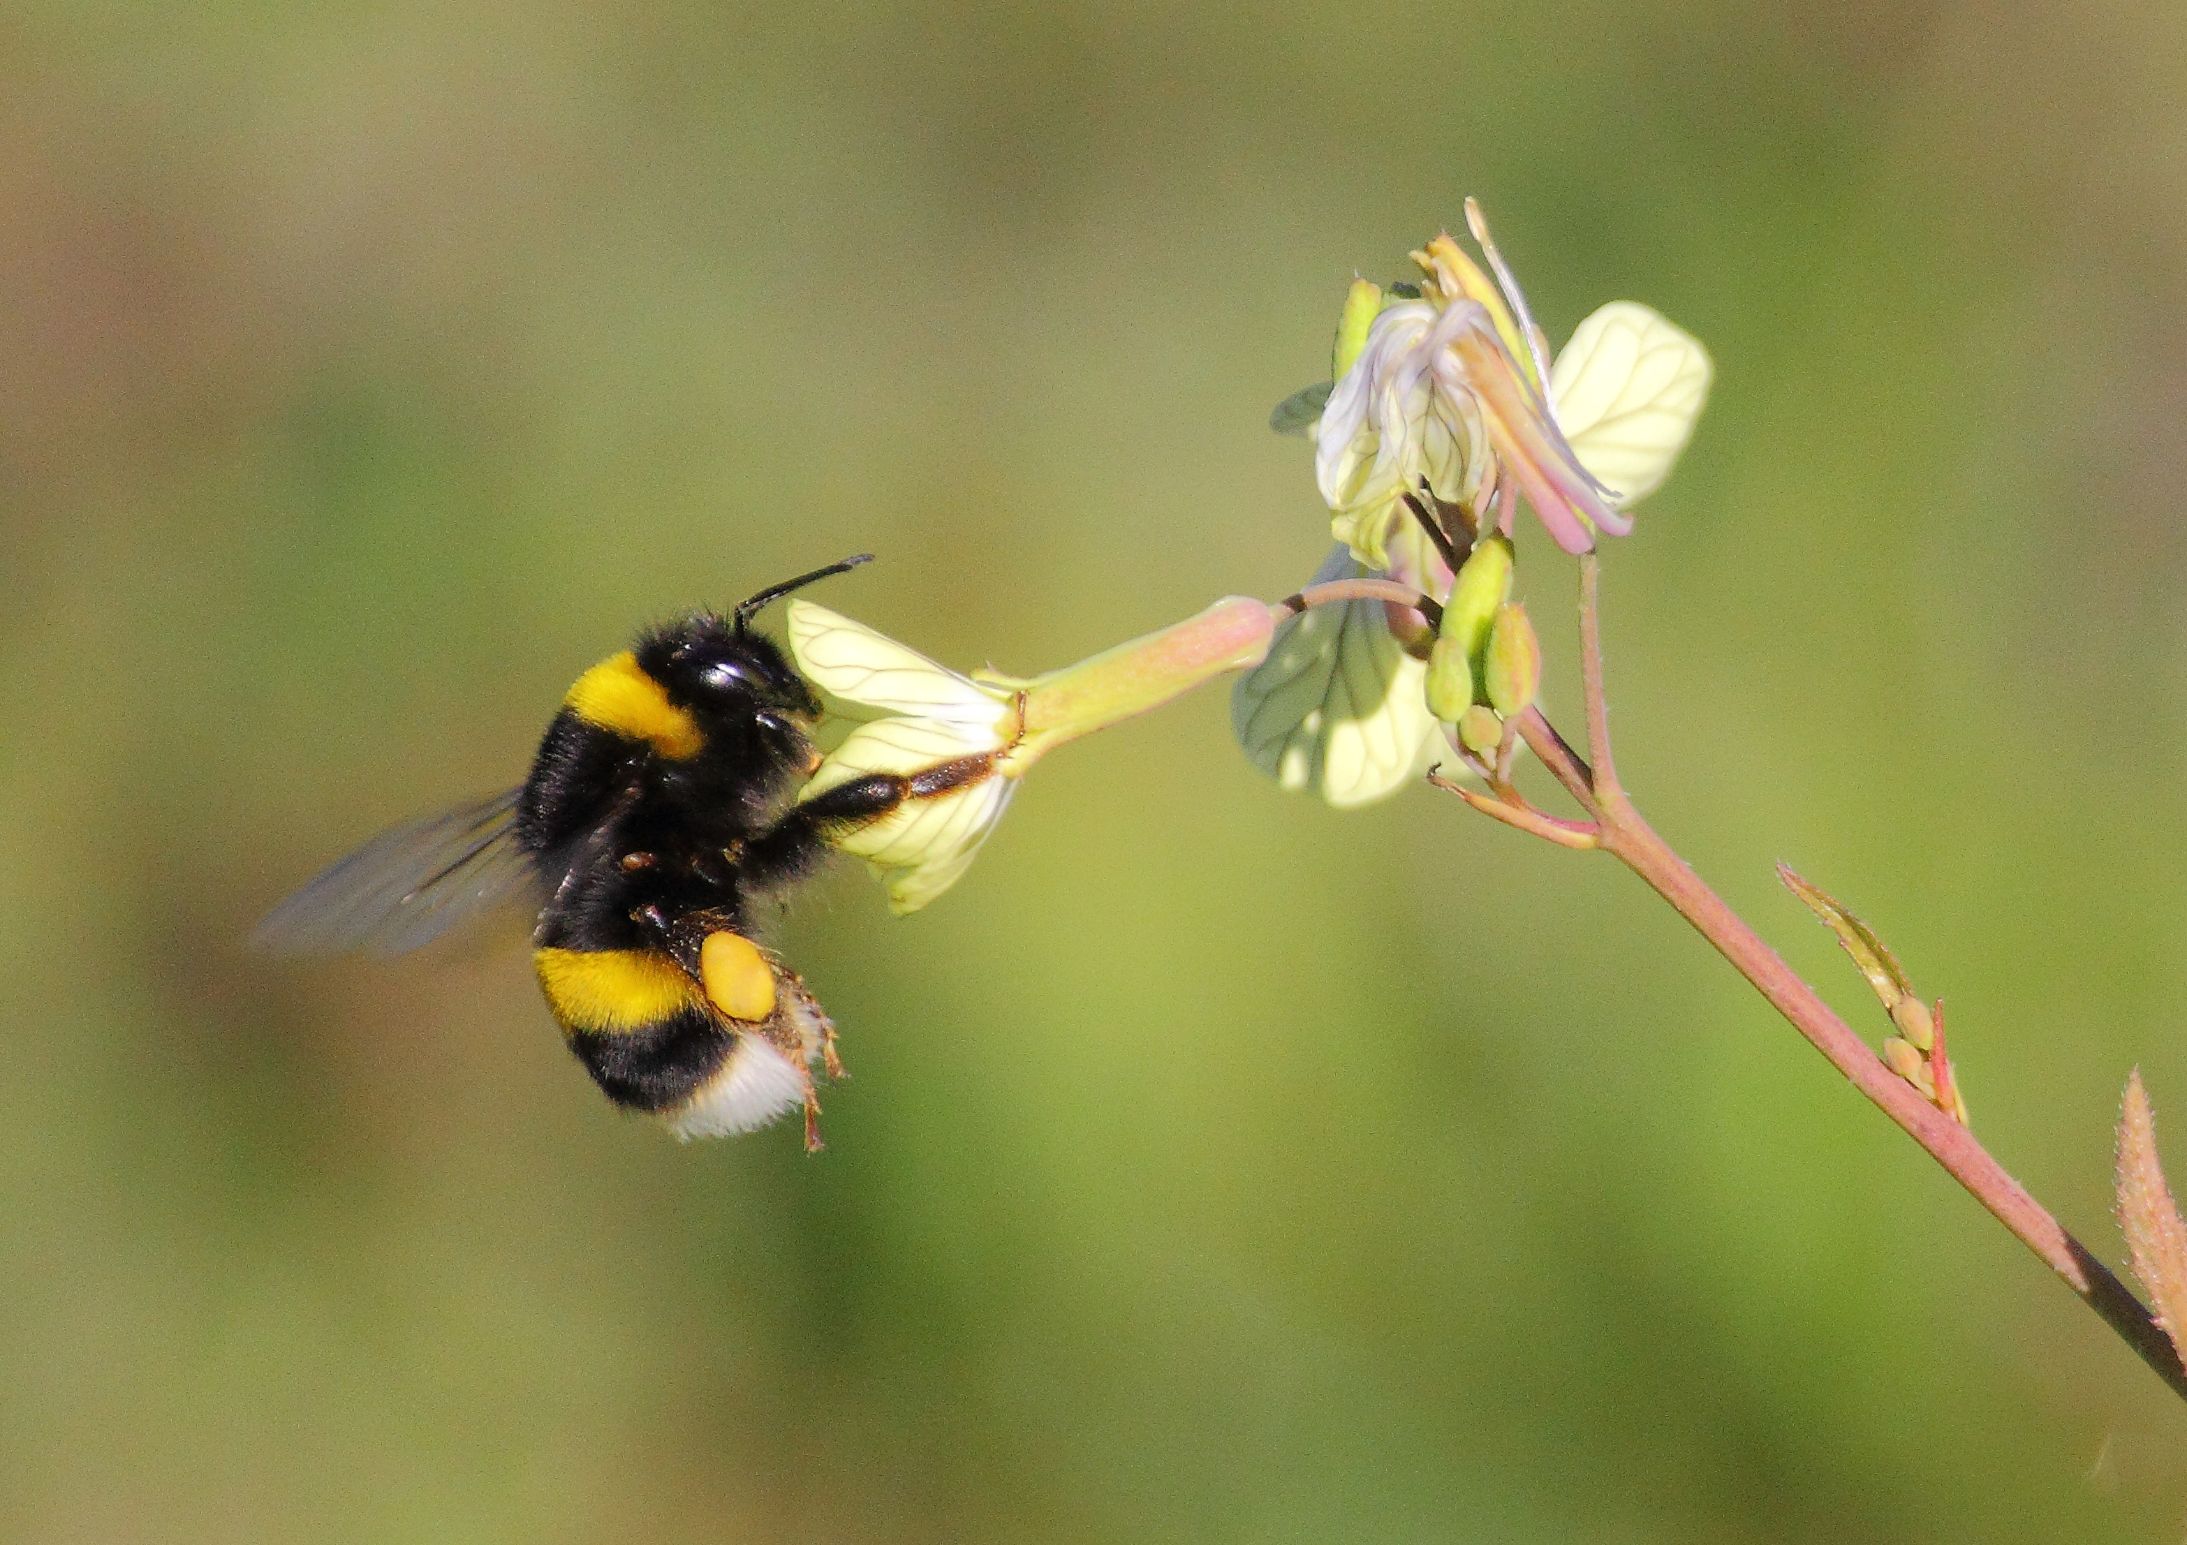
pixel 1910 1065
pixel 1915 1022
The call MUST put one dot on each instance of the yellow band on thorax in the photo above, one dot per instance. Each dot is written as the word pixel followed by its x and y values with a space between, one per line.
pixel 616 695
pixel 606 991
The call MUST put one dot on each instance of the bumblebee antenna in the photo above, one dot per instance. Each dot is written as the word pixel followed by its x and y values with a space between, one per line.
pixel 744 610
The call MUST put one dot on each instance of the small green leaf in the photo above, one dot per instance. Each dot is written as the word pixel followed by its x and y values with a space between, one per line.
pixel 1301 410
pixel 1874 958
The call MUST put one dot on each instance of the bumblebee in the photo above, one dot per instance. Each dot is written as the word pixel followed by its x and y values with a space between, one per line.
pixel 659 808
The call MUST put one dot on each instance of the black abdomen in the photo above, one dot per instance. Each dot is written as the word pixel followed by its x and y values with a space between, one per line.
pixel 659 1067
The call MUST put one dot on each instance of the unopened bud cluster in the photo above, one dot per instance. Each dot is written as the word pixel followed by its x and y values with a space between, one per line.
pixel 1914 1055
pixel 1486 662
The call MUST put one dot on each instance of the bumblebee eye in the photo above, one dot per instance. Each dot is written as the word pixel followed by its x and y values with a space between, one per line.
pixel 724 674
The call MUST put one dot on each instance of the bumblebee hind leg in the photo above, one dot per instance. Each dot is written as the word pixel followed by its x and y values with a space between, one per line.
pixel 805 1024
pixel 773 1013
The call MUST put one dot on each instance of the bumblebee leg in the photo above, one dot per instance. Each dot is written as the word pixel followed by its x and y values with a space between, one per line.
pixel 956 773
pixel 856 802
pixel 810 1025
pixel 792 845
pixel 749 986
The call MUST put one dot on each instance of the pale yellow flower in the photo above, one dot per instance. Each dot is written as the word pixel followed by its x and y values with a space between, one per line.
pixel 1448 395
pixel 1448 392
pixel 918 714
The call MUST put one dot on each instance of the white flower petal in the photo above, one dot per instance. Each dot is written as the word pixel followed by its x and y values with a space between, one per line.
pixel 1626 391
pixel 1364 417
pixel 849 660
pixel 923 845
pixel 1338 708
pixel 912 886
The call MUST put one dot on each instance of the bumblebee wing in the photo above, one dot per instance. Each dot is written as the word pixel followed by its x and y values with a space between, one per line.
pixel 407 886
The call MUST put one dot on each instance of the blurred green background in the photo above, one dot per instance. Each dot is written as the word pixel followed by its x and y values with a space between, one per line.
pixel 1217 1167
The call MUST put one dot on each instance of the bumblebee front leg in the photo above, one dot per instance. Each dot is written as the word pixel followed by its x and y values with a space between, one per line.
pixel 792 845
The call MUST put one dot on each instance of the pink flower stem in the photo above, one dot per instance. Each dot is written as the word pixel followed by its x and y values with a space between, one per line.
pixel 1605 778
pixel 1387 591
pixel 1514 812
pixel 1622 831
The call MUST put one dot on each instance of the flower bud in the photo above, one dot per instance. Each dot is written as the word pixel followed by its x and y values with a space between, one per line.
pixel 1362 304
pixel 1483 585
pixel 1480 731
pixel 1914 1022
pixel 1449 680
pixel 1511 669
pixel 1909 1065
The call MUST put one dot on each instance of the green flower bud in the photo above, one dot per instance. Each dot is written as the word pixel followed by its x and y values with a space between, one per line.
pixel 1915 1022
pixel 1362 304
pixel 1511 670
pixel 1909 1065
pixel 1483 585
pixel 1450 680
pixel 1480 731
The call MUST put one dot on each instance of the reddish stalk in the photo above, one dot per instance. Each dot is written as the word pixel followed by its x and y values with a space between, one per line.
pixel 1620 829
pixel 1617 827
pixel 1388 591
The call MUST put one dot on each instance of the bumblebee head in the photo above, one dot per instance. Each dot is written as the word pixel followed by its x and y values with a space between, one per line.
pixel 723 674
pixel 735 685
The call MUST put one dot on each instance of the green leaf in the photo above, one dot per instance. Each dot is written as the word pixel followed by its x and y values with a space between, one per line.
pixel 1338 709
pixel 1301 410
pixel 1870 953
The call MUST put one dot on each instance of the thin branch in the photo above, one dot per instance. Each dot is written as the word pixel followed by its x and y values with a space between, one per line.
pixel 1567 766
pixel 1606 784
pixel 1581 835
pixel 1635 842
pixel 1388 591
pixel 1621 830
